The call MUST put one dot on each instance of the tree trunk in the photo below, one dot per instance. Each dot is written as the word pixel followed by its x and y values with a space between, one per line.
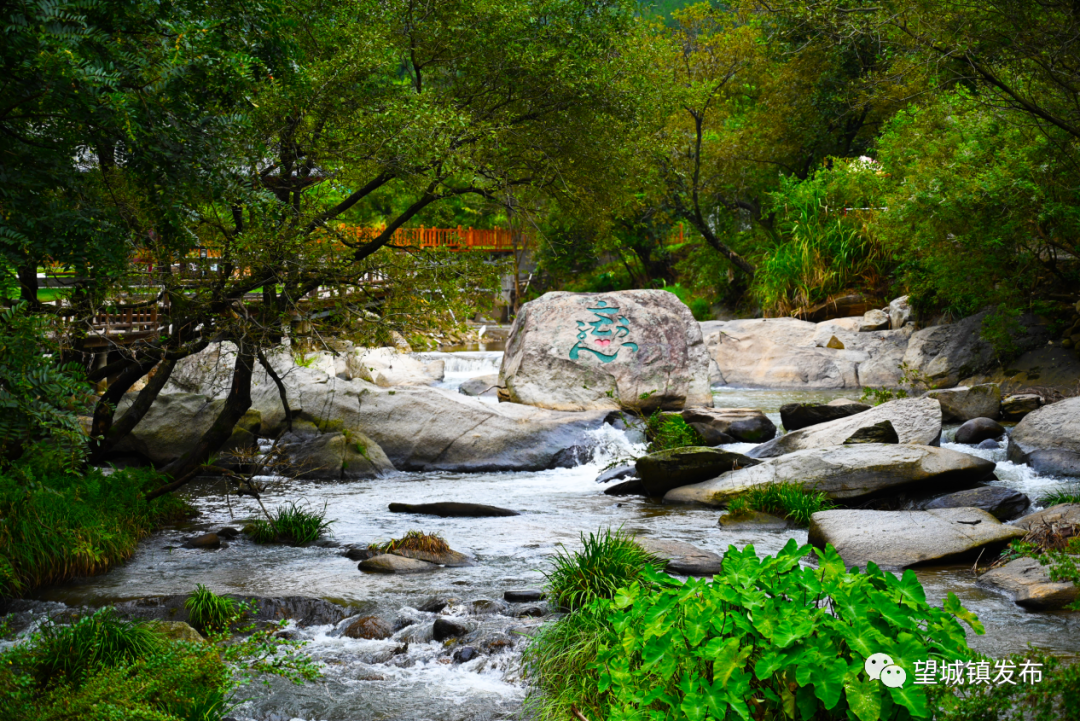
pixel 106 405
pixel 28 283
pixel 137 411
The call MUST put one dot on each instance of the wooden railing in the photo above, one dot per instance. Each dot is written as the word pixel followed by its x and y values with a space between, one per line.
pixel 493 240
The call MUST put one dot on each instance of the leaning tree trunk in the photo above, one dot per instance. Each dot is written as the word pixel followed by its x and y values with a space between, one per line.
pixel 135 413
pixel 106 405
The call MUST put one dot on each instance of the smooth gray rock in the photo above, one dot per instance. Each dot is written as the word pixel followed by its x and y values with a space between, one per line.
pixel 978 430
pixel 1000 502
pixel 874 320
pixel 450 559
pixel 617 473
pixel 480 386
pixel 392 563
pixel 1049 439
pixel 207 540
pixel 902 539
pixel 752 521
pixel 748 425
pixel 710 436
pixel 845 473
pixel 988 445
pixel 523 595
pixel 682 558
pixel 899 312
pixel 795 416
pixel 916 421
pixel 369 627
pixel 446 628
pixel 335 456
pixel 965 403
pixel 880 432
pixel 661 471
pixel 451 509
pixel 1063 514
pixel 638 349
pixel 1015 407
pixel 1028 583
pixel 633 487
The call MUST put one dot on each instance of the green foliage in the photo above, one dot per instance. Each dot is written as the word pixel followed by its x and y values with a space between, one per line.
pixel 1062 495
pixel 289 523
pixel 665 431
pixel 911 382
pixel 39 402
pixel 56 525
pixel 607 561
pixel 208 611
pixel 788 500
pixel 414 541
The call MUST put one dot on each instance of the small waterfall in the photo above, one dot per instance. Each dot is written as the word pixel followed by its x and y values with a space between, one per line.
pixel 609 445
pixel 468 364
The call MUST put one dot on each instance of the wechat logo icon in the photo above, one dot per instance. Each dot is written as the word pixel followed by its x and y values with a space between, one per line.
pixel 880 667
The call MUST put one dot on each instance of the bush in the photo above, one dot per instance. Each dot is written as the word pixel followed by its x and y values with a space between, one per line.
pixel 665 431
pixel 767 638
pixel 289 523
pixel 57 525
pixel 787 500
pixel 208 611
pixel 607 561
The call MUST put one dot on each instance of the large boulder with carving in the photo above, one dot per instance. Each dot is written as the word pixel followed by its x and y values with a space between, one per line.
pixel 583 351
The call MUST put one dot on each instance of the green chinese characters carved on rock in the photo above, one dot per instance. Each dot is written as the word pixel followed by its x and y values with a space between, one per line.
pixel 608 329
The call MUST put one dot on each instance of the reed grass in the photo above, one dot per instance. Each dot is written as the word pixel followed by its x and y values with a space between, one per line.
pixel 414 541
pixel 787 500
pixel 290 523
pixel 209 612
pixel 607 561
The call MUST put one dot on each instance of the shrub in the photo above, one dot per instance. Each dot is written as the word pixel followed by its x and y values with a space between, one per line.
pixel 289 523
pixel 414 541
pixel 208 611
pixel 665 431
pixel 787 500
pixel 607 561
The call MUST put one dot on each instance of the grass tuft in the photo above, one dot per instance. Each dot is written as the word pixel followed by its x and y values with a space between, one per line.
pixel 291 524
pixel 559 662
pixel 1062 495
pixel 414 541
pixel 607 561
pixel 787 500
pixel 208 611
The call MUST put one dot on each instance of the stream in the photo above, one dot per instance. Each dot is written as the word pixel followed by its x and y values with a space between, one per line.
pixel 410 676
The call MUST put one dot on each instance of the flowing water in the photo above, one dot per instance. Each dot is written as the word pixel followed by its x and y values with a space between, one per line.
pixel 412 677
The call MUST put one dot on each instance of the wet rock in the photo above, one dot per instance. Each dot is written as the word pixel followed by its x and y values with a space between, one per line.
pixel 530 611
pixel 1049 439
pixel 369 627
pixel 752 521
pixel 1000 502
pixel 446 628
pixel 207 540
pixel 497 644
pixel 451 509
pixel 390 563
pixel 880 432
pixel 627 488
pixel 1029 584
pixel 523 595
pixel 902 539
pixel 360 553
pixel 480 386
pixel 1015 407
pixel 617 473
pixel 916 421
pixel 988 445
pixel 335 456
pixel 965 403
pixel 228 533
pixel 650 353
pixel 795 416
pixel 661 471
pixel 179 631
pixel 465 654
pixel 682 558
pixel 485 607
pixel 1063 514
pixel 846 473
pixel 572 457
pixel 435 604
pixel 303 610
pixel 450 559
pixel 748 425
pixel 978 430
pixel 710 436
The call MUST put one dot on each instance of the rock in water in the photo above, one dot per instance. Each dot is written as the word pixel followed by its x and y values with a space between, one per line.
pixel 902 539
pixel 988 445
pixel 446 628
pixel 523 595
pixel 752 521
pixel 978 430
pixel 845 473
pixel 633 487
pixel 748 425
pixel 369 627
pixel 1030 585
pixel 617 473
pixel 1015 407
pixel 391 563
pixel 480 386
pixel 682 558
pixel 710 436
pixel 916 421
pixel 880 432
pixel 1063 514
pixel 964 403
pixel 451 509
pixel 578 351
pixel 1002 503
pixel 1049 439
pixel 661 471
pixel 207 540
pixel 795 416
pixel 450 558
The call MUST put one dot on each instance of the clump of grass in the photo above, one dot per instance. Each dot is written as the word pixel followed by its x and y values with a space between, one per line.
pixel 1061 495
pixel 559 661
pixel 209 612
pixel 665 431
pixel 607 561
pixel 414 541
pixel 289 523
pixel 787 500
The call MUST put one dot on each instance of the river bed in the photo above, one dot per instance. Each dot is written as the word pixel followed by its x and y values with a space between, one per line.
pixel 369 680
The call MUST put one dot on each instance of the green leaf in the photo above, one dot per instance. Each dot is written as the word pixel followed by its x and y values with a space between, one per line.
pixel 863 697
pixel 952 605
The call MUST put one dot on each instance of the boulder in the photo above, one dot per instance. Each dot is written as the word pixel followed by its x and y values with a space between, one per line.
pixel 360 553
pixel 579 351
pixel 207 540
pixel 899 313
pixel 334 456
pixel 388 367
pixel 845 473
pixel 682 558
pixel 447 628
pixel 661 471
pixel 1049 439
pixel 988 445
pixel 748 425
pixel 842 307
pixel 710 436
pixel 1000 502
pixel 369 627
pixel 1029 584
pixel 465 654
pixel 617 473
pixel 393 563
pixel 966 403
pixel 178 631
pixel 916 421
pixel 752 521
pixel 523 595
pixel 451 509
pixel 795 416
pixel 480 386
pixel 874 320
pixel 228 532
pixel 627 488
pixel 880 432
pixel 902 539
pixel 450 559
pixel 1063 514
pixel 1015 407
pixel 978 430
